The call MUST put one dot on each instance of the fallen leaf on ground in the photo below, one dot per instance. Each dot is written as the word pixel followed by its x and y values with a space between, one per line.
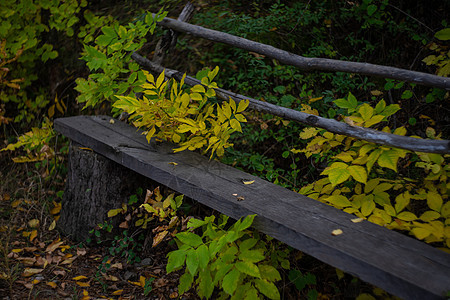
pixel 54 245
pixel 31 271
pixel 52 284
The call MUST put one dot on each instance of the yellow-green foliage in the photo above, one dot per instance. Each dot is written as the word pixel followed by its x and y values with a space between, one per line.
pixel 35 143
pixel 24 28
pixel 362 178
pixel 169 112
pixel 441 56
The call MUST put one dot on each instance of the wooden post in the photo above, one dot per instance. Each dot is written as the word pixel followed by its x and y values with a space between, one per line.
pixel 95 185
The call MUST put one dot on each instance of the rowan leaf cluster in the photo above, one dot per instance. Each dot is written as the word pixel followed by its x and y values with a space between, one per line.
pixel 187 117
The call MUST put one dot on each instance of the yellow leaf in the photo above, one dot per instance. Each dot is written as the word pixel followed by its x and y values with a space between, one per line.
pixel 337 232
pixel 357 220
pixel 243 104
pixel 244 181
pixel 85 148
pixel 315 99
pixel 33 223
pixel 52 225
pixel 142 281
pixel 344 156
pixel 53 246
pixel 30 271
pixel 160 80
pixel 81 277
pixel 376 92
pixel 366 111
pixel 114 212
pixel 358 173
pixel 434 201
pixel 51 111
pixel 367 207
pixel 52 284
pixel 307 133
pixel 338 176
pixel 388 159
pixel 118 292
pixel 33 235
pixel 159 238
pixel 339 200
pixel 420 233
pixel 83 284
pixel 111 121
pixel 430 215
pixel 374 120
pixel 406 216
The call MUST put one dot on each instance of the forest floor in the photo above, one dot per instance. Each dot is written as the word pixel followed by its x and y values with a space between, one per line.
pixel 37 262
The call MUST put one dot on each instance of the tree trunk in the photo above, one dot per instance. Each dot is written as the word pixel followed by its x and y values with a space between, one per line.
pixel 95 185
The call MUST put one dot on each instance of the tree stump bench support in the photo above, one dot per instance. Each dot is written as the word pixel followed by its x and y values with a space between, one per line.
pixel 401 265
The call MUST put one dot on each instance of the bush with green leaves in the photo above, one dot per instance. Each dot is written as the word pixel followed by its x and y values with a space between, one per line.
pixel 229 259
pixel 25 27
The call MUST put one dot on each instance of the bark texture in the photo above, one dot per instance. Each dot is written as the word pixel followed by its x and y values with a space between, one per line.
pixel 95 185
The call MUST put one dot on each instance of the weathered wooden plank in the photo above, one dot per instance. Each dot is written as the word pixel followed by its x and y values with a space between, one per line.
pixel 400 265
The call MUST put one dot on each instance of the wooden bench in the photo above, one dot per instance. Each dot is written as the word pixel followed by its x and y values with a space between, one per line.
pixel 392 261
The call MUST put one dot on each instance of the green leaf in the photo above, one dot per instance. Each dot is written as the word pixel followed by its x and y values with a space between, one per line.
pixel 252 255
pixel 189 238
pixel 269 273
pixel 246 222
pixel 371 9
pixel 380 106
pixel 222 270
pixel 434 201
pixel 205 287
pixel 192 261
pixel 176 260
pixel 358 173
pixel 390 110
pixel 248 268
pixel 443 35
pixel 247 244
pixel 267 288
pixel 230 281
pixel 251 294
pixel 185 283
pixel 339 200
pixel 203 256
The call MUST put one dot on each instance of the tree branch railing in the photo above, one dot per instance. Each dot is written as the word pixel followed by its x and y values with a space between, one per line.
pixel 309 63
pixel 367 134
